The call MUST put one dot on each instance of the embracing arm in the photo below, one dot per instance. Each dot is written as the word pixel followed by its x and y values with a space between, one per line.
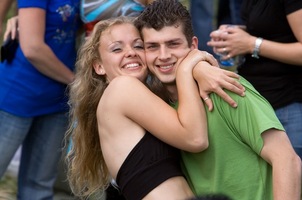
pixel 186 128
pixel 36 50
pixel 191 111
pixel 286 164
pixel 132 102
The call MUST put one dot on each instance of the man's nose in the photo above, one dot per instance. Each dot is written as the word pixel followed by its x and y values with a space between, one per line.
pixel 164 53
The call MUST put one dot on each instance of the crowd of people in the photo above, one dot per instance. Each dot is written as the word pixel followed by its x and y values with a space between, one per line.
pixel 146 112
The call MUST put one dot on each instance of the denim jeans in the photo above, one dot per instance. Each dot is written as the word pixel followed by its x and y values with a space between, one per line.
pixel 291 118
pixel 41 139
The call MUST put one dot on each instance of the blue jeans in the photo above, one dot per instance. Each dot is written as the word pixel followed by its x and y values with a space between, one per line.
pixel 41 139
pixel 291 118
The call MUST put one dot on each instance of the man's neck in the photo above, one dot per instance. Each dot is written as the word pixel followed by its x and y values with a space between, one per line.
pixel 172 91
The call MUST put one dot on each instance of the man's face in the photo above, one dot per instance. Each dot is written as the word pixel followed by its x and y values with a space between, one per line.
pixel 164 50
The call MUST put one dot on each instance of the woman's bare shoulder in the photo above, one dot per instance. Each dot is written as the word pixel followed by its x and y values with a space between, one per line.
pixel 122 89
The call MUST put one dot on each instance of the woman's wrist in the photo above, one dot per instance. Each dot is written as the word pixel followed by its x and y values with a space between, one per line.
pixel 198 70
pixel 256 50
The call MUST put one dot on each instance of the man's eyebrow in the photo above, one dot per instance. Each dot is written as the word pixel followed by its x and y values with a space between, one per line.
pixel 174 40
pixel 150 42
pixel 169 41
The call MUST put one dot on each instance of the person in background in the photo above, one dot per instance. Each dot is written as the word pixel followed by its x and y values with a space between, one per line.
pixel 273 57
pixel 94 11
pixel 111 73
pixel 33 100
pixel 209 15
pixel 249 153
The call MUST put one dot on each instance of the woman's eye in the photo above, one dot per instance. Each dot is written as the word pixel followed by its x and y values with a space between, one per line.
pixel 139 47
pixel 116 50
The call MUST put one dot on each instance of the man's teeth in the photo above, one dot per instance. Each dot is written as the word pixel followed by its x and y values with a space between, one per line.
pixel 166 67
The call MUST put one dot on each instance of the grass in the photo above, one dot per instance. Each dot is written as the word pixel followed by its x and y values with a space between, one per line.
pixel 8 187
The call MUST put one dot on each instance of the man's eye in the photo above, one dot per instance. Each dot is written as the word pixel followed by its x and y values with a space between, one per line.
pixel 151 47
pixel 174 44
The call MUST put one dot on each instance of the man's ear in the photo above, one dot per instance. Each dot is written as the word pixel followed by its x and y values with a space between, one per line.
pixel 98 68
pixel 194 44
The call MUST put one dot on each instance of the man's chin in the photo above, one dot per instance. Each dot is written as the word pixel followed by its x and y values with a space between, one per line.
pixel 168 81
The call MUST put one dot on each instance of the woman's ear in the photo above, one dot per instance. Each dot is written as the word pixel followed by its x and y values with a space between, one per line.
pixel 194 43
pixel 98 68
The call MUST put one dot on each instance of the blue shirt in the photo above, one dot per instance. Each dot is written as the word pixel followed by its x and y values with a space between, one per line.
pixel 24 91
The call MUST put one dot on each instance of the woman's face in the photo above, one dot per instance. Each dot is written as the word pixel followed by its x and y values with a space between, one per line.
pixel 122 53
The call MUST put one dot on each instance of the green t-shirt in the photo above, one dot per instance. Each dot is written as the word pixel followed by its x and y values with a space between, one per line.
pixel 232 164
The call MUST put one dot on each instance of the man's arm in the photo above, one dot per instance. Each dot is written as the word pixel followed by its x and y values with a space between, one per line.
pixel 286 164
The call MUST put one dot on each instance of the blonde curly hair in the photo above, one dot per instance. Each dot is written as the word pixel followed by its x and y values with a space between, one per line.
pixel 87 171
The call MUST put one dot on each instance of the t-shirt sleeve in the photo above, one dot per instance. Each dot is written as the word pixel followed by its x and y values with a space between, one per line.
pixel 252 117
pixel 32 3
pixel 292 6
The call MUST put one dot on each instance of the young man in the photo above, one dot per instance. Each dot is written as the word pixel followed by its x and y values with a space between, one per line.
pixel 249 154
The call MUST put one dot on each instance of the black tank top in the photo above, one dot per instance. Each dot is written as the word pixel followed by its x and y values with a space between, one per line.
pixel 279 83
pixel 150 163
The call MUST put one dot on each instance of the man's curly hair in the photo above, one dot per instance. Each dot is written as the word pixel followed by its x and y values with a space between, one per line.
pixel 162 13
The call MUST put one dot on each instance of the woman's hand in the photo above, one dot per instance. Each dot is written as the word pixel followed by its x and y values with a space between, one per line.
pixel 232 41
pixel 210 78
